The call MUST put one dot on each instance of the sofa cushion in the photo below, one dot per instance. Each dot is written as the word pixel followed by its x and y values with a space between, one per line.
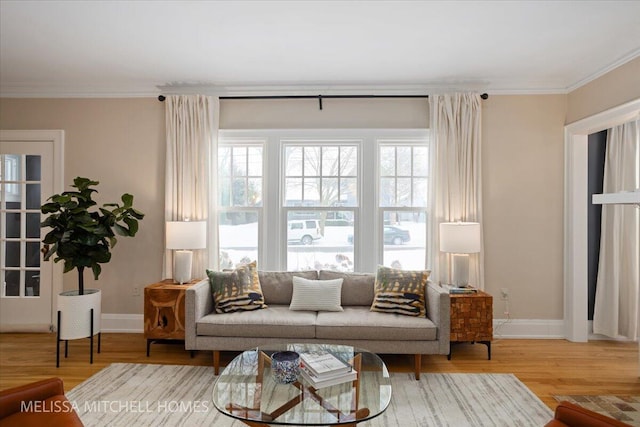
pixel 277 286
pixel 359 323
pixel 357 288
pixel 236 290
pixel 316 295
pixel 273 322
pixel 400 291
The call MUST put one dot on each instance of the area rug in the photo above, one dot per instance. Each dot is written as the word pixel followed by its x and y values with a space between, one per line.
pixel 169 395
pixel 623 408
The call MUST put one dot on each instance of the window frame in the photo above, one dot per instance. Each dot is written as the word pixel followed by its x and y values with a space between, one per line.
pixel 274 213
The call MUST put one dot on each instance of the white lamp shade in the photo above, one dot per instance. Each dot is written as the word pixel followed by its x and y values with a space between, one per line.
pixel 460 237
pixel 186 234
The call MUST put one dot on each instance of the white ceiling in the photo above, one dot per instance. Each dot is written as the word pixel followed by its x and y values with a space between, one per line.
pixel 140 48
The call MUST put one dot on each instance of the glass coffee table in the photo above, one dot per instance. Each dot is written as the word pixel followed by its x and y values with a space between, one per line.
pixel 246 390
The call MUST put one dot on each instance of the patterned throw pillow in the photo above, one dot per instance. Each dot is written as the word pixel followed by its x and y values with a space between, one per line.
pixel 236 290
pixel 400 291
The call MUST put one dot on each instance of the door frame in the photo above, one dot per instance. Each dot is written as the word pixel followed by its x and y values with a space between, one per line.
pixel 56 138
pixel 576 200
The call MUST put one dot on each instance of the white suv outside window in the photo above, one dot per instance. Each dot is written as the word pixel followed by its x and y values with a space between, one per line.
pixel 304 231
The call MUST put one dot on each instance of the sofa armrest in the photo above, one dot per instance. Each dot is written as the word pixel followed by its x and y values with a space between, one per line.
pixel 569 414
pixel 198 303
pixel 439 311
pixel 11 399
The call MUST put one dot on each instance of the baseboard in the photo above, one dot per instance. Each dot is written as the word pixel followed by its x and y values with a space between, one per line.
pixel 528 328
pixel 502 328
pixel 122 323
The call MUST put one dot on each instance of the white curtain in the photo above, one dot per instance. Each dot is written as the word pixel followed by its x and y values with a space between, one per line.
pixel 616 303
pixel 191 132
pixel 457 180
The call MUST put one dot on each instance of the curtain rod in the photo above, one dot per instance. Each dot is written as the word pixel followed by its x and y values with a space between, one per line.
pixel 321 97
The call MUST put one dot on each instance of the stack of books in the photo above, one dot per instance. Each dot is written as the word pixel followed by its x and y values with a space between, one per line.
pixel 324 369
pixel 454 290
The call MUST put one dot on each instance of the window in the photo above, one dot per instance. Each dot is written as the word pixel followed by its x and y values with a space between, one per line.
pixel 240 202
pixel 320 177
pixel 404 175
pixel 344 200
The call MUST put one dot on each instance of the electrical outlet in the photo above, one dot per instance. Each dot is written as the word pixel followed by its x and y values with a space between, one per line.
pixel 504 293
pixel 136 291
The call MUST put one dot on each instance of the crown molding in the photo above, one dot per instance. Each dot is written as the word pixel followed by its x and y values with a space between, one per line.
pixel 620 62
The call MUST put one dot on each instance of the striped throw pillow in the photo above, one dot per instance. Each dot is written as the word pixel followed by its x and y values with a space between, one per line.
pixel 316 295
pixel 236 290
pixel 400 291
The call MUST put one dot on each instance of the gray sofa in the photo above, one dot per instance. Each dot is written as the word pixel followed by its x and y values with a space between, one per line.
pixel 355 326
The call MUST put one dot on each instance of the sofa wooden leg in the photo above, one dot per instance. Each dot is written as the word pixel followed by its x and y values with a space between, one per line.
pixel 216 362
pixel 418 365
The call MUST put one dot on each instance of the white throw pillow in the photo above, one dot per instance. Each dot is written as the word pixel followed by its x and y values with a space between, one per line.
pixel 316 295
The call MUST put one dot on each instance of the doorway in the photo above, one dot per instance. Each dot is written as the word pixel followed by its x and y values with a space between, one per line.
pixel 30 172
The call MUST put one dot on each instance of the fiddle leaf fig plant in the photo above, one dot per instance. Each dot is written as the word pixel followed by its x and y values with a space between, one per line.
pixel 82 234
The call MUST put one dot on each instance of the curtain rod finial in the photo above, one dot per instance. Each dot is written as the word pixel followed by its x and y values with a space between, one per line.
pixel 484 96
pixel 161 98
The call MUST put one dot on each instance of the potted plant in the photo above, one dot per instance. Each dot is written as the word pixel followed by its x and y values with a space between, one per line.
pixel 82 235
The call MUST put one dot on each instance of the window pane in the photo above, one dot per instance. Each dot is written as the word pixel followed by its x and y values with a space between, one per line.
pixel 404 161
pixel 33 254
pixel 255 161
pixel 239 192
pixel 330 165
pixel 12 283
pixel 33 168
pixel 32 283
pixel 293 192
pixel 320 240
pixel 255 192
pixel 330 191
pixel 13 254
pixel 420 161
pixel 387 161
pixel 404 238
pixel 238 238
pixel 13 224
pixel 33 196
pixel 33 225
pixel 224 192
pixel 387 192
pixel 293 161
pixel 420 192
pixel 239 161
pixel 311 161
pixel 312 191
pixel 224 161
pixel 349 192
pixel 404 192
pixel 348 161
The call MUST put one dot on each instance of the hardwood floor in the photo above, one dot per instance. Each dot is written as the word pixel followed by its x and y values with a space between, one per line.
pixel 547 367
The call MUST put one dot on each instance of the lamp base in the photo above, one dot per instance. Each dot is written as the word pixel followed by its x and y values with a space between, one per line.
pixel 461 270
pixel 182 266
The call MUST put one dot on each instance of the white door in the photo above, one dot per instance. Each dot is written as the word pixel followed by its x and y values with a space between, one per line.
pixel 28 176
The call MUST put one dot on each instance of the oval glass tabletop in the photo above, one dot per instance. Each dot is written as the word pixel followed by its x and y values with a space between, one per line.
pixel 248 390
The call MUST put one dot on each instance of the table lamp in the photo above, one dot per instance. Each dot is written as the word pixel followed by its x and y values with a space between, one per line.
pixel 460 239
pixel 183 236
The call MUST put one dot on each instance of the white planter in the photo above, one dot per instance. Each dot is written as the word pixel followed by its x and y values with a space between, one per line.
pixel 75 313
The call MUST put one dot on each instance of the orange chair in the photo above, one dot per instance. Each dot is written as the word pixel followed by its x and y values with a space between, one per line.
pixel 570 415
pixel 41 403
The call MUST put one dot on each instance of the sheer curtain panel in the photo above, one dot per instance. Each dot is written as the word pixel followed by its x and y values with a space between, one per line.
pixel 457 185
pixel 616 303
pixel 191 131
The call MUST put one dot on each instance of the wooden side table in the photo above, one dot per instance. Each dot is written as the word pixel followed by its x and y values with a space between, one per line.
pixel 164 311
pixel 472 319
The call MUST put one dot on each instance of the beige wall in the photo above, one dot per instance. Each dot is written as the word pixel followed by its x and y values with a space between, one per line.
pixel 615 88
pixel 119 142
pixel 336 113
